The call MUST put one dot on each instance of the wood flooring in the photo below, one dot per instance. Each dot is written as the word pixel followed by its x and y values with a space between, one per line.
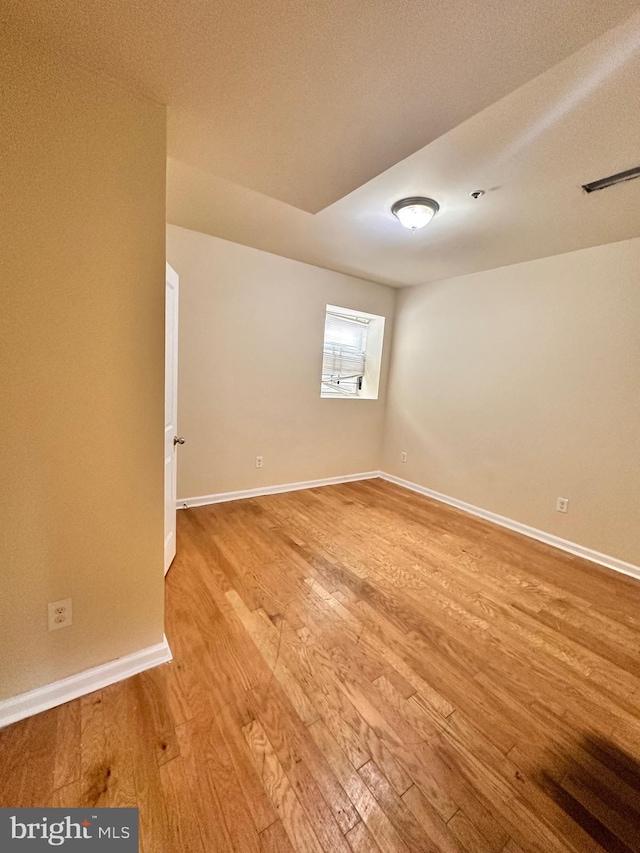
pixel 358 668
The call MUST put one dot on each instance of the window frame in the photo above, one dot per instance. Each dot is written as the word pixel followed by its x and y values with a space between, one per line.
pixel 369 382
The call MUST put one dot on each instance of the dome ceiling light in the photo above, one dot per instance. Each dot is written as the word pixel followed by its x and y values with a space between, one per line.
pixel 415 212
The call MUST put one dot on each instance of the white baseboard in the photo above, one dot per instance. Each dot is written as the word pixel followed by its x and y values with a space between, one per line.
pixel 517 526
pixel 223 497
pixel 59 692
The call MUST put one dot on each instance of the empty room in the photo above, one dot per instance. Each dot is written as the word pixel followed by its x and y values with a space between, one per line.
pixel 320 405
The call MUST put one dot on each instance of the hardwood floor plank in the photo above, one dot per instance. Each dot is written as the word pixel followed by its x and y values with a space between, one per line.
pixel 398 778
pixel 423 725
pixel 36 765
pixel 274 839
pixel 522 809
pixel 283 797
pixel 470 838
pixel 432 776
pixel 315 785
pixel 400 816
pixel 202 791
pixel 622 824
pixel 119 731
pixel 512 847
pixel 69 797
pixel 95 767
pixel 173 677
pixel 231 722
pixel 380 827
pixel 160 720
pixel 435 828
pixel 360 839
pixel 142 742
pixel 183 832
pixel 67 767
pixel 335 709
pixel 212 751
pixel 303 705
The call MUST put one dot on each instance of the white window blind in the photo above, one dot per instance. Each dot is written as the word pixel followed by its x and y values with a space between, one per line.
pixel 344 355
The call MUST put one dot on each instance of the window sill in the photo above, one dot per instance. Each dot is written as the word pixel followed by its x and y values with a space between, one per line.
pixel 337 397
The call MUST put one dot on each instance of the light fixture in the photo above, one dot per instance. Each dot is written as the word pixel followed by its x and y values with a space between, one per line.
pixel 415 212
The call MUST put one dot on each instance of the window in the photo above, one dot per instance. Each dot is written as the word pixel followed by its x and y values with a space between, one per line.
pixel 344 354
pixel 351 354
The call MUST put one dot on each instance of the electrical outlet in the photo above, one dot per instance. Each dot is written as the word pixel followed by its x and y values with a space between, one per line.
pixel 259 461
pixel 562 505
pixel 60 614
pixel 403 456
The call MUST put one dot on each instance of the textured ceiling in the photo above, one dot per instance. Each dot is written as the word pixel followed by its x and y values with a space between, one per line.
pixel 530 151
pixel 306 101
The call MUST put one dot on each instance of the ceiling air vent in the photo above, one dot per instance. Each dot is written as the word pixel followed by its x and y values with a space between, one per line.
pixel 603 183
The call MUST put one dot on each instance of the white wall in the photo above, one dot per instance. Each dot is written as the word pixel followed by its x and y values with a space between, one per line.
pixel 250 360
pixel 82 184
pixel 511 387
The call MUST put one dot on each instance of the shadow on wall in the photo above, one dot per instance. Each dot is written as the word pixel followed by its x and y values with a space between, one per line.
pixel 600 791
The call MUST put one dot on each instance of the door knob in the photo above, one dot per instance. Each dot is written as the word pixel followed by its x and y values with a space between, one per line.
pixel 177 440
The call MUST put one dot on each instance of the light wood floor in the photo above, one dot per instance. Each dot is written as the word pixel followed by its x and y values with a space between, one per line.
pixel 359 668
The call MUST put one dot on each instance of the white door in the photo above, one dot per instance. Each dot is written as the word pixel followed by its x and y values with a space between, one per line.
pixel 171 439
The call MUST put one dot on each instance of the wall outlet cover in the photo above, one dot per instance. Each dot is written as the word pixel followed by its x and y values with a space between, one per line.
pixel 60 614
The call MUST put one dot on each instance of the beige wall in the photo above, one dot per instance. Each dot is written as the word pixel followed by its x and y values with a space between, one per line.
pixel 251 332
pixel 81 368
pixel 512 387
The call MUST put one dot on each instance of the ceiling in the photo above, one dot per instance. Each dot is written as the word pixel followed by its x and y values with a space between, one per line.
pixel 530 151
pixel 306 100
pixel 293 126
